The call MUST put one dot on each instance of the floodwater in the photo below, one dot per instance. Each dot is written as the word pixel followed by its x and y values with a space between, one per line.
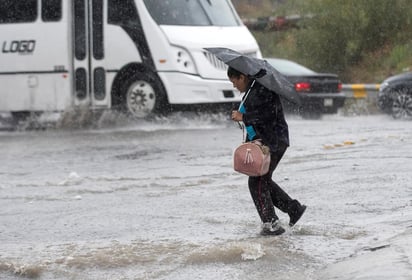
pixel 159 199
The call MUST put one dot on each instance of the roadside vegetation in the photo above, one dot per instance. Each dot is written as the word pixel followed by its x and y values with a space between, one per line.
pixel 360 40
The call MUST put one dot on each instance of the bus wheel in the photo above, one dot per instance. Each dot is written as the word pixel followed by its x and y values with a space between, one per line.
pixel 143 97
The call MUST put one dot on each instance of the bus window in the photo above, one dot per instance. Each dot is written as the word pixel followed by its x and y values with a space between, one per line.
pixel 98 50
pixel 192 12
pixel 80 29
pixel 99 83
pixel 51 10
pixel 18 11
pixel 81 83
pixel 121 12
pixel 219 12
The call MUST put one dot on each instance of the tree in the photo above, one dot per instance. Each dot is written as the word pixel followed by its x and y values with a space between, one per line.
pixel 339 33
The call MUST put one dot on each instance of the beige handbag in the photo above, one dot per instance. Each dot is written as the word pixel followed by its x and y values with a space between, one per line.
pixel 252 158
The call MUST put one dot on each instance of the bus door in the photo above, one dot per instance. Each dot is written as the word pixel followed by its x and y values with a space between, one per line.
pixel 88 53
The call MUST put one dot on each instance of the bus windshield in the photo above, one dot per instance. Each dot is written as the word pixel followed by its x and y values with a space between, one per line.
pixel 192 12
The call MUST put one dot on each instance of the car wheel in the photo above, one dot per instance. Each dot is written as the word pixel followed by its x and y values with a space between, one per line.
pixel 402 104
pixel 143 96
pixel 384 102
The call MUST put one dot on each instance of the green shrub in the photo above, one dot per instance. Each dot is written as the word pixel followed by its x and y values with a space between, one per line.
pixel 341 32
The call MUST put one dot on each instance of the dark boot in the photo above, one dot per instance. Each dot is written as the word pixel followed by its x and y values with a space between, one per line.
pixel 273 228
pixel 296 213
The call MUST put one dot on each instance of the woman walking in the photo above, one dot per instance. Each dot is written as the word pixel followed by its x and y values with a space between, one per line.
pixel 262 114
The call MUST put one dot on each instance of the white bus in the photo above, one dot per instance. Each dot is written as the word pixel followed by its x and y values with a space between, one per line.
pixel 134 55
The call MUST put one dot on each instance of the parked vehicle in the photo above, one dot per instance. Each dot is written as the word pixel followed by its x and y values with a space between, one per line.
pixel 320 93
pixel 395 96
pixel 139 56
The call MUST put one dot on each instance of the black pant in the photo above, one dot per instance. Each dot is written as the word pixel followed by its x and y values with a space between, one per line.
pixel 266 193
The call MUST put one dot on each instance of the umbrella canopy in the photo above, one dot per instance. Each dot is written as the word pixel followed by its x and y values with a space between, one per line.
pixel 260 70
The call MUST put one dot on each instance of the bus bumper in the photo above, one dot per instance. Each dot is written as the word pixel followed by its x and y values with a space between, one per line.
pixel 191 89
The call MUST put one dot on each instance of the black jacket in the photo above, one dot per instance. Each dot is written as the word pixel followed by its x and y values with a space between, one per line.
pixel 264 112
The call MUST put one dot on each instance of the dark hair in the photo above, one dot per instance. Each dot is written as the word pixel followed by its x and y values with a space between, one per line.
pixel 233 73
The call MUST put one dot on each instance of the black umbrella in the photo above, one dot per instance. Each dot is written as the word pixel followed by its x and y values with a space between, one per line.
pixel 260 70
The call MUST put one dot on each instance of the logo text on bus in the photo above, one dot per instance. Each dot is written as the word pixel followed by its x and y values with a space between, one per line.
pixel 21 47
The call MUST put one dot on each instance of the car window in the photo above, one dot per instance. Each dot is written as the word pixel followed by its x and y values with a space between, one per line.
pixel 288 67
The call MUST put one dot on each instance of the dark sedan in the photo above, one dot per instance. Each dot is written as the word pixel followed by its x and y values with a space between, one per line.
pixel 395 96
pixel 320 93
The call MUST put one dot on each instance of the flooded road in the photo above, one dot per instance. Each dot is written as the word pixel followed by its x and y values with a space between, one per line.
pixel 160 200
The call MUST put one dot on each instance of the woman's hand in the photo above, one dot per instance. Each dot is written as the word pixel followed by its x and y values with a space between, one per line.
pixel 237 116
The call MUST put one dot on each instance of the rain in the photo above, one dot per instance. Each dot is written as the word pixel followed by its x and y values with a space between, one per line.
pixel 107 174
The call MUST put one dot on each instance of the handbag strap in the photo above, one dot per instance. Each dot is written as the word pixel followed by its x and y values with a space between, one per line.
pixel 247 94
pixel 242 126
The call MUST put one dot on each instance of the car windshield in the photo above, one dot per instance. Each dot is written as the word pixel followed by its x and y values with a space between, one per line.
pixel 192 12
pixel 287 67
